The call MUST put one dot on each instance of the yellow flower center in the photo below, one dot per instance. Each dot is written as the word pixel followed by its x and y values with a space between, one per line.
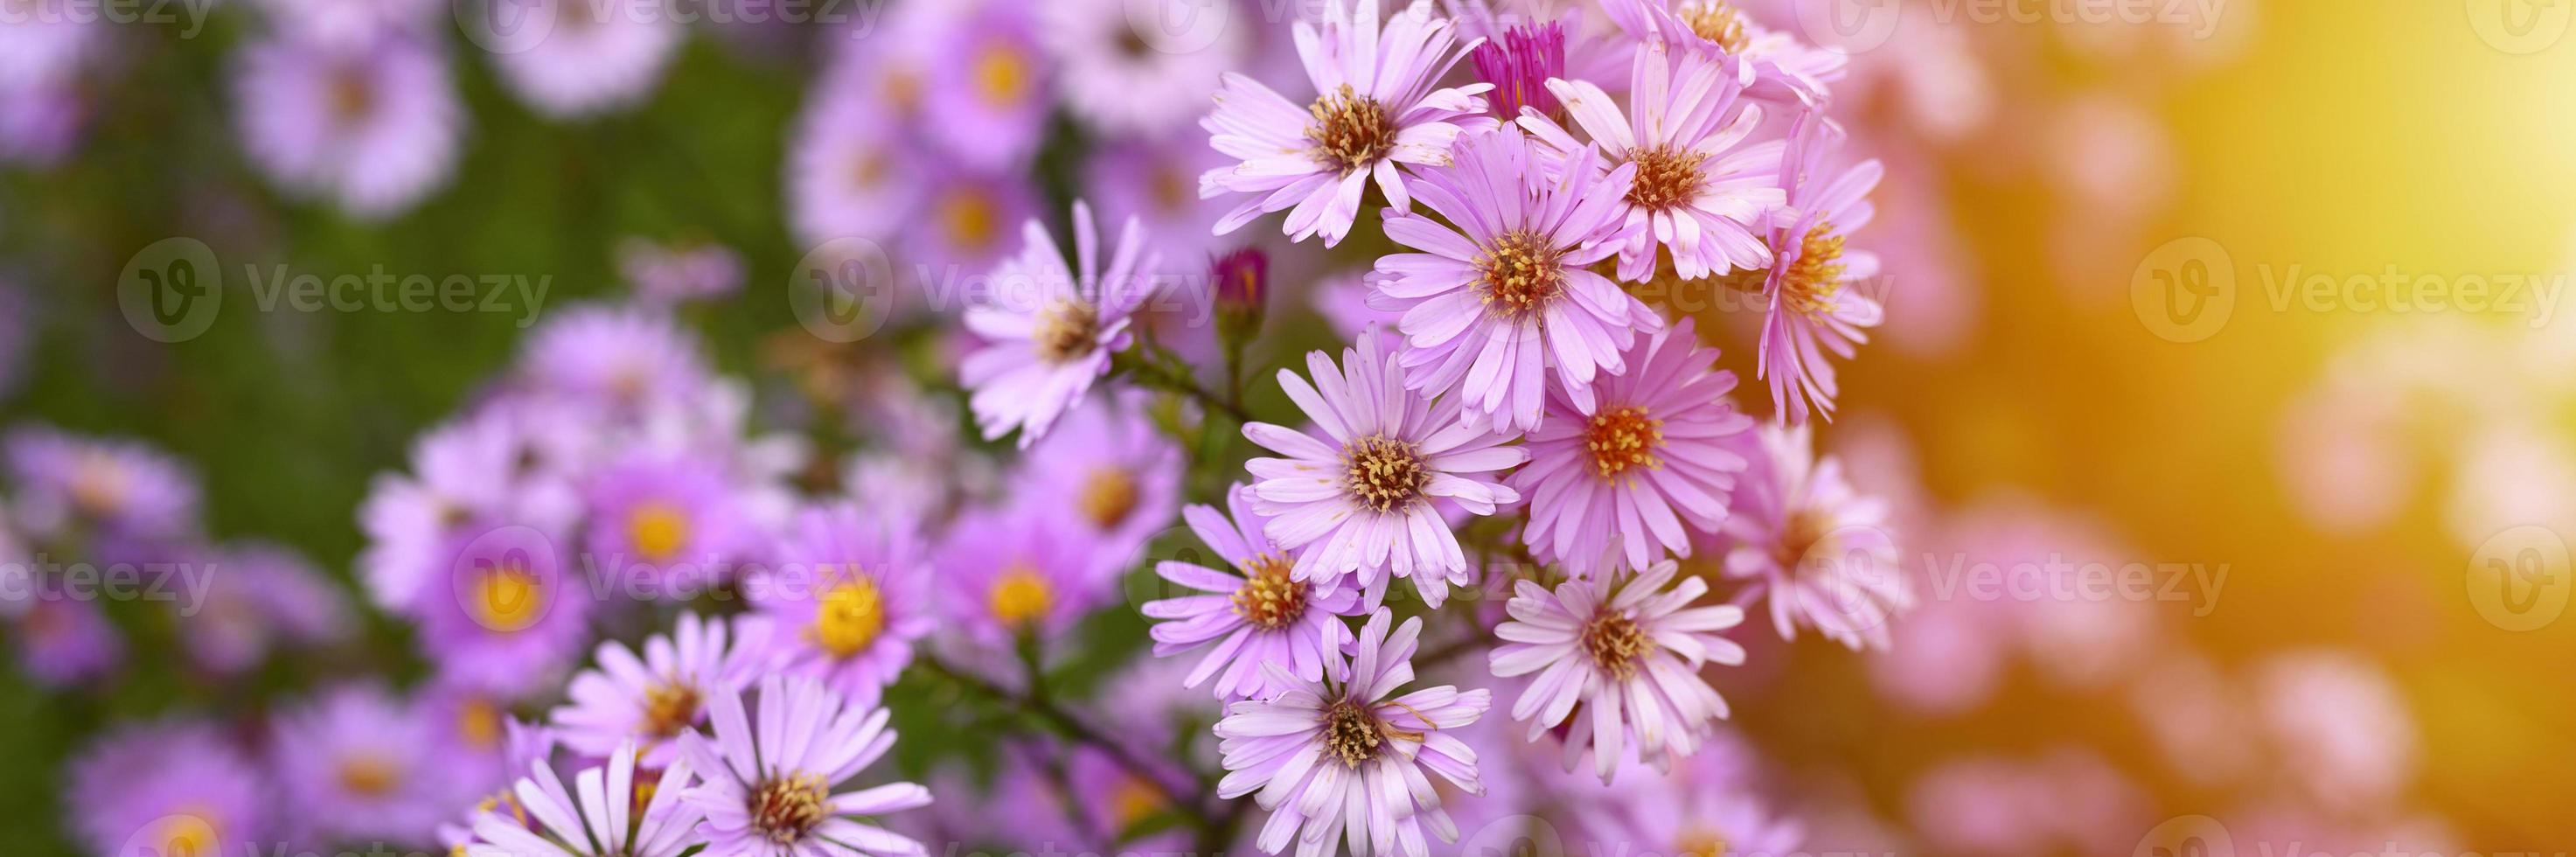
pixel 657 530
pixel 1351 131
pixel 1108 497
pixel 1267 598
pixel 1708 844
pixel 1809 284
pixel 1615 644
pixel 1806 531
pixel 784 810
pixel 970 218
pixel 1666 177
pixel 1718 22
pixel 669 706
pixel 369 776
pixel 1384 474
pixel 850 618
pixel 1621 438
pixel 478 722
pixel 1020 596
pixel 1134 800
pixel 507 598
pixel 1521 273
pixel 185 834
pixel 1001 75
pixel 1066 330
pixel 98 487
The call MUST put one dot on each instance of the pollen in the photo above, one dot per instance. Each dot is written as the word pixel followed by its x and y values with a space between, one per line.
pixel 851 616
pixel 670 705
pixel 657 530
pixel 1001 76
pixel 1718 22
pixel 1623 438
pixel 1066 330
pixel 1521 273
pixel 1020 596
pixel 1615 644
pixel 1267 598
pixel 1351 131
pixel 1353 733
pixel 784 810
pixel 1810 283
pixel 1667 177
pixel 1383 474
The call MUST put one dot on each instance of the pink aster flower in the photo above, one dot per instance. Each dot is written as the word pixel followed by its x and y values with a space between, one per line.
pixel 1519 65
pixel 1117 476
pixel 1368 117
pixel 989 83
pixel 1814 309
pixel 372 127
pixel 1657 452
pixel 468 471
pixel 68 486
pixel 259 596
pixel 505 612
pixel 623 357
pixel 1700 190
pixel 595 56
pixel 1775 65
pixel 1693 819
pixel 612 816
pixel 1355 495
pixel 661 525
pixel 62 641
pixel 1820 552
pixel 1345 758
pixel 1155 180
pixel 645 702
pixel 1139 67
pixel 1502 302
pixel 359 764
pixel 1621 659
pixel 772 792
pixel 167 788
pixel 1050 329
pixel 849 595
pixel 1255 616
pixel 1017 571
pixel 665 276
pixel 850 171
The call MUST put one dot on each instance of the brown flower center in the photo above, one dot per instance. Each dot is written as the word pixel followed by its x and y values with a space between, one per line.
pixel 1351 131
pixel 1615 644
pixel 1108 497
pixel 1353 733
pixel 1621 438
pixel 1383 474
pixel 1267 598
pixel 1806 529
pixel 1718 22
pixel 668 708
pixel 1521 272
pixel 1067 330
pixel 1667 177
pixel 784 810
pixel 1809 285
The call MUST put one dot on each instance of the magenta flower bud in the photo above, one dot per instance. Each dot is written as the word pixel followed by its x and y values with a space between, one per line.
pixel 1518 65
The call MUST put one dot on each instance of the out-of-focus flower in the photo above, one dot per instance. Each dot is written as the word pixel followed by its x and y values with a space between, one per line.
pixel 1519 65
pixel 167 788
pixel 629 703
pixel 38 125
pixel 372 128
pixel 1621 659
pixel 1694 819
pixel 851 172
pixel 1492 316
pixel 1820 551
pixel 963 225
pixel 617 814
pixel 1699 188
pixel 849 595
pixel 474 469
pixel 1017 571
pixel 351 25
pixel 773 791
pixel 1366 120
pixel 1774 65
pixel 987 99
pixel 357 764
pixel 667 275
pixel 62 641
pixel 1139 67
pixel 2340 725
pixel 1658 451
pixel 656 519
pixel 1257 615
pixel 1117 477
pixel 70 486
pixel 1354 497
pixel 595 56
pixel 1051 330
pixel 1155 181
pixel 505 612
pixel 258 595
pixel 1814 308
pixel 622 357
pixel 1345 759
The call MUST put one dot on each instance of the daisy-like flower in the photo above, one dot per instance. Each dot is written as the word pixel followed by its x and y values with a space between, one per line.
pixel 988 84
pixel 167 788
pixel 772 794
pixel 850 172
pixel 1051 329
pixel 1820 550
pixel 1018 571
pixel 506 612
pixel 258 596
pixel 656 520
pixel 1814 309
pixel 1139 67
pixel 1257 615
pixel 964 222
pixel 1775 66
pixel 1117 475
pixel 372 127
pixel 67 485
pixel 593 57
pixel 1621 659
pixel 468 471
pixel 1358 499
pixel 1700 190
pixel 613 817
pixel 1155 180
pixel 359 764
pixel 1378 104
pixel 623 357
pixel 625 701
pixel 1659 450
pixel 1501 303
pixel 849 596
pixel 1345 758
pixel 1697 818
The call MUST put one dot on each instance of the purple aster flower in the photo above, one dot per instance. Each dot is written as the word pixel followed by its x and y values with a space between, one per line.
pixel 1691 819
pixel 167 788
pixel 612 817
pixel 1139 67
pixel 1367 117
pixel 963 224
pixel 1155 181
pixel 1775 65
pixel 1814 309
pixel 1049 329
pixel 69 486
pixel 1254 615
pixel 773 793
pixel 664 523
pixel 371 127
pixel 630 700
pixel 989 84
pixel 1358 498
pixel 1346 758
pixel 1622 660
pixel 849 596
pixel 505 612
pixel 850 171
pixel 468 471
pixel 1700 191
pixel 358 764
pixel 669 275
pixel 1117 474
pixel 1018 571
pixel 620 356
pixel 595 56
pixel 40 122
pixel 46 42
pixel 479 740
pixel 1111 798
pixel 1658 450
pixel 1519 65
pixel 1491 314
pixel 1820 552
pixel 259 595
pixel 62 641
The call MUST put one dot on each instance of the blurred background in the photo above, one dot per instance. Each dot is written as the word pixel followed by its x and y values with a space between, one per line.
pixel 2338 475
